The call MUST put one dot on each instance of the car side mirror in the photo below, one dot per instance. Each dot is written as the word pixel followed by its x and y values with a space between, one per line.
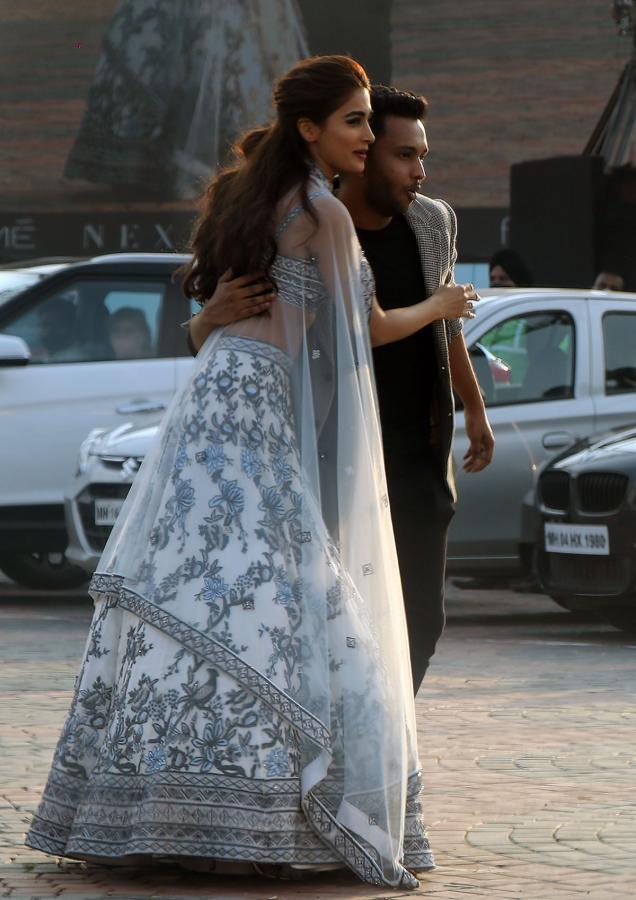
pixel 13 351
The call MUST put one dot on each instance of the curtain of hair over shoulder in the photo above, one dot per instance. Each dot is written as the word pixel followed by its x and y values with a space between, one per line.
pixel 348 693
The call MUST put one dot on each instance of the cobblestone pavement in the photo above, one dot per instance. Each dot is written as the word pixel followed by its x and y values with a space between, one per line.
pixel 526 727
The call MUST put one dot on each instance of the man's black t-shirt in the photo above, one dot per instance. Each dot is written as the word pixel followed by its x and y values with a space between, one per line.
pixel 405 370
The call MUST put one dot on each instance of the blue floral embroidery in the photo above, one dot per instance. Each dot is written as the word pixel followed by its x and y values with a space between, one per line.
pixel 181 459
pixel 224 430
pixel 215 459
pixel 283 472
pixel 272 505
pixel 214 588
pixel 284 593
pixel 251 463
pixel 193 428
pixel 230 500
pixel 216 749
pixel 252 391
pixel 156 759
pixel 277 763
pixel 253 434
pixel 178 505
pixel 224 382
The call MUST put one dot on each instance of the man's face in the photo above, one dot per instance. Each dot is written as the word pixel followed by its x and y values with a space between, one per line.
pixel 608 281
pixel 500 278
pixel 395 169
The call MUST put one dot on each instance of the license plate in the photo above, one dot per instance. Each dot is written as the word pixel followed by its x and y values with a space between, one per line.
pixel 588 540
pixel 106 511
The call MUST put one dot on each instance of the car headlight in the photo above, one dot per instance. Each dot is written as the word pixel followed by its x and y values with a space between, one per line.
pixel 86 448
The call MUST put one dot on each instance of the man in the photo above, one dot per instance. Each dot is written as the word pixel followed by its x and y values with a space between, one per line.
pixel 608 280
pixel 507 269
pixel 409 241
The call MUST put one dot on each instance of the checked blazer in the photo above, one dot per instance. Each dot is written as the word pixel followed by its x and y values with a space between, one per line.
pixel 435 227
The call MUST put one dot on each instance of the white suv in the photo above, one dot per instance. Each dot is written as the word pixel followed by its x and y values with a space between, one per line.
pixel 92 345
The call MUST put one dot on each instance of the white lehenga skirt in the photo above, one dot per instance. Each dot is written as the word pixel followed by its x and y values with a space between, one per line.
pixel 193 717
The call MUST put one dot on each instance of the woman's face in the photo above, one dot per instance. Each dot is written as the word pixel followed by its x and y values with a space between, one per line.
pixel 341 143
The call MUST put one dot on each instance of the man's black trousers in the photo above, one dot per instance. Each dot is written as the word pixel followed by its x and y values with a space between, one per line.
pixel 421 509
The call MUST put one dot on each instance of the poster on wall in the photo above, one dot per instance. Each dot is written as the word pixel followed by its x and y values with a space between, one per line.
pixel 116 112
pixel 119 111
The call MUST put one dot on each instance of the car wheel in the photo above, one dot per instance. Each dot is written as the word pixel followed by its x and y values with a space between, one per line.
pixel 622 617
pixel 43 571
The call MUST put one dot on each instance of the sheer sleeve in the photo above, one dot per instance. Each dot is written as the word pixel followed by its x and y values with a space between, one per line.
pixel 336 383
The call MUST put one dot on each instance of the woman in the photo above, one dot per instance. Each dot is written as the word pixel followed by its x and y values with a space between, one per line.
pixel 246 692
pixel 175 84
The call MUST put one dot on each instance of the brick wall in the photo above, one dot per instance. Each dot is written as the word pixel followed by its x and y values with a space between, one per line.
pixel 507 80
pixel 48 53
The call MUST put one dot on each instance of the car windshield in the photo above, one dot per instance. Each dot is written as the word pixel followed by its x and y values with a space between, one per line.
pixel 11 283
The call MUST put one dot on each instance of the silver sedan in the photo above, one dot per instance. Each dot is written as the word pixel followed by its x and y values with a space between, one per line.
pixel 572 372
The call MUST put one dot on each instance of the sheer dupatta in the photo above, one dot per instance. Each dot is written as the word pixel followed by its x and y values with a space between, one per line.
pixel 342 676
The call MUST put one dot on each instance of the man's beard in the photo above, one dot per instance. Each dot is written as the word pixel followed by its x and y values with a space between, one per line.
pixel 384 202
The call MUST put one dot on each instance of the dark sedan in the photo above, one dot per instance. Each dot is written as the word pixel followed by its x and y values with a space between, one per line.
pixel 586 502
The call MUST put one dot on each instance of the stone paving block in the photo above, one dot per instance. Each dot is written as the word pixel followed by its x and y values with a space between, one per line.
pixel 529 767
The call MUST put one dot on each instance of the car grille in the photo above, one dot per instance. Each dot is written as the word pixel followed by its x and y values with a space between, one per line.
pixel 587 575
pixel 554 490
pixel 600 492
pixel 97 535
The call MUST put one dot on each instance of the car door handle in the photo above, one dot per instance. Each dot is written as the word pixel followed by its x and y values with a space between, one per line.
pixel 554 440
pixel 140 406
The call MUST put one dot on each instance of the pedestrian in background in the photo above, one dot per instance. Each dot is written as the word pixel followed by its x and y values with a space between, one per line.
pixel 609 280
pixel 507 269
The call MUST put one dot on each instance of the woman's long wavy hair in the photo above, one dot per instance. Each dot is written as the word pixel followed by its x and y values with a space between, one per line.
pixel 236 227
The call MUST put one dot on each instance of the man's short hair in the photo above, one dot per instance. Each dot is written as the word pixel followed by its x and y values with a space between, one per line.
pixel 388 101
